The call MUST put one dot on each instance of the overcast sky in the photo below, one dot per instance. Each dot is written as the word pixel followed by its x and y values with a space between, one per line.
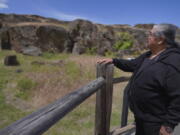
pixel 99 11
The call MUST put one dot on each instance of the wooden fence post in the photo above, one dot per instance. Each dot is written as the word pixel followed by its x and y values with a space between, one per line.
pixel 104 100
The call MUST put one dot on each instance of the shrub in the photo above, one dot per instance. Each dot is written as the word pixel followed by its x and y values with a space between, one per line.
pixel 25 85
pixel 125 42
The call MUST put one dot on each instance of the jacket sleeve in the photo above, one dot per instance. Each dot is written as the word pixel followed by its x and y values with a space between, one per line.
pixel 172 89
pixel 128 65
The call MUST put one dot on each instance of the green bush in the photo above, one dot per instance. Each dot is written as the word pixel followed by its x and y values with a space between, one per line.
pixel 25 86
pixel 91 51
pixel 125 42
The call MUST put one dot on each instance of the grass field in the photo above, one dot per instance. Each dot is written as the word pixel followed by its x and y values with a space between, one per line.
pixel 38 81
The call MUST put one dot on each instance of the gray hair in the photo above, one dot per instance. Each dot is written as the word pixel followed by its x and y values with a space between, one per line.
pixel 168 32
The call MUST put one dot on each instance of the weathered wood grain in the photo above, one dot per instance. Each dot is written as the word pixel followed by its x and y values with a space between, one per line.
pixel 104 100
pixel 121 79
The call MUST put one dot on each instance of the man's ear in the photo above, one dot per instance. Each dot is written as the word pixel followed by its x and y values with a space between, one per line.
pixel 161 41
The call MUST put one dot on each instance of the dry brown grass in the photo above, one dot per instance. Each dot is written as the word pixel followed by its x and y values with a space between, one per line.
pixel 36 24
pixel 54 85
pixel 86 61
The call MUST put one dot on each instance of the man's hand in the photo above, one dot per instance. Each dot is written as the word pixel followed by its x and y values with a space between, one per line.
pixel 106 60
pixel 165 131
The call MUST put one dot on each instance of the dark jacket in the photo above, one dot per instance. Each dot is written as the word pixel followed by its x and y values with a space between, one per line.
pixel 154 92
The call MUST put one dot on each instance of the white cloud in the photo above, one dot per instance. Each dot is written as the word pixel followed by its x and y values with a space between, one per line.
pixel 3 4
pixel 65 16
pixel 50 12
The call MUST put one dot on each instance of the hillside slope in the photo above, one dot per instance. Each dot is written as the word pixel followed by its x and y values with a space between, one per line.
pixel 22 32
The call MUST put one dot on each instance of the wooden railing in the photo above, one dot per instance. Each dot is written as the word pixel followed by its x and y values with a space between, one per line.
pixel 41 120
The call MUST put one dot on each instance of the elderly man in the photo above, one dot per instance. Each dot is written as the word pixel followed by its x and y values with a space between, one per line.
pixel 154 88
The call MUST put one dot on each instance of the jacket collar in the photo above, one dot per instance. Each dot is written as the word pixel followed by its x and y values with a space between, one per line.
pixel 160 57
pixel 165 53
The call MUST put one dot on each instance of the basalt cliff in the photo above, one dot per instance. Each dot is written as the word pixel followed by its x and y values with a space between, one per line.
pixel 32 34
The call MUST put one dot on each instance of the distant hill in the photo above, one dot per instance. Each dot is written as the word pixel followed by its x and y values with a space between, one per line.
pixel 32 34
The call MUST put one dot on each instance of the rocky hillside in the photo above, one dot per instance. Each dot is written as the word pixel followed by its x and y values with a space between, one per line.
pixel 32 34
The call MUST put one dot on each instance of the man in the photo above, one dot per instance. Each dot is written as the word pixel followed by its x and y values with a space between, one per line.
pixel 154 88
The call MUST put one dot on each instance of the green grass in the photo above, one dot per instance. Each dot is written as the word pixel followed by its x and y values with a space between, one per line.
pixel 8 112
pixel 49 55
pixel 72 70
pixel 24 85
pixel 80 121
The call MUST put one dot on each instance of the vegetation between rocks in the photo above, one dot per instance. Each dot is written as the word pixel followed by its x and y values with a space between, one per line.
pixel 125 41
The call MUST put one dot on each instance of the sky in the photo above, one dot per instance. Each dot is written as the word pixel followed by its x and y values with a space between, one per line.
pixel 99 11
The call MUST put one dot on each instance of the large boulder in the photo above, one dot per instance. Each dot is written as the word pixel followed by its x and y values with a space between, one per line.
pixel 32 39
pixel 11 60
pixel 52 38
pixel 22 36
pixel 31 50
pixel 86 35
pixel 81 33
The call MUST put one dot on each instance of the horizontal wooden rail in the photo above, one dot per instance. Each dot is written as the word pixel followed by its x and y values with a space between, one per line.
pixel 127 129
pixel 41 120
pixel 121 79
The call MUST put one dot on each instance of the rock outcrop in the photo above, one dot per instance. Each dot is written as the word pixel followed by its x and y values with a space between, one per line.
pixel 86 36
pixel 32 35
pixel 52 38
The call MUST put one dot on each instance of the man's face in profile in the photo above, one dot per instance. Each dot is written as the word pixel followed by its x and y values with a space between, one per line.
pixel 152 39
